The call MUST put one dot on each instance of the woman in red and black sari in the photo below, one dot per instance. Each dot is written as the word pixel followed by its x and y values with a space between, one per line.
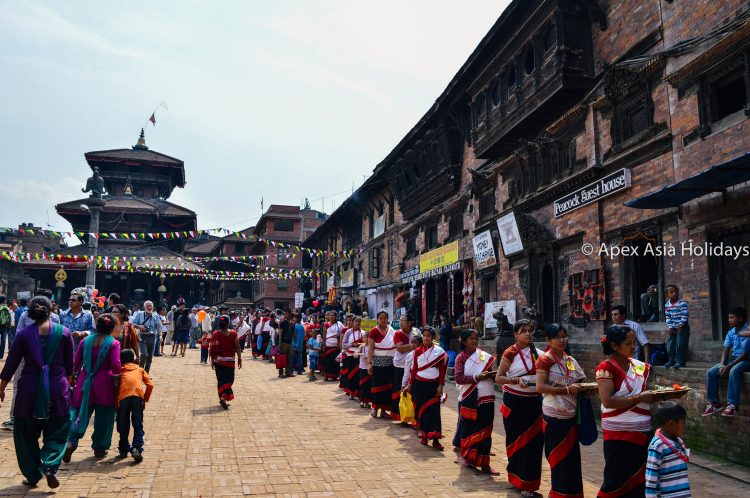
pixel 380 351
pixel 557 378
pixel 343 364
pixel 626 415
pixel 353 338
pixel 329 365
pixel 224 346
pixel 426 386
pixel 476 395
pixel 522 410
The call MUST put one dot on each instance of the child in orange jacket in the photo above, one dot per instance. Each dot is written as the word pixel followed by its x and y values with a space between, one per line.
pixel 132 401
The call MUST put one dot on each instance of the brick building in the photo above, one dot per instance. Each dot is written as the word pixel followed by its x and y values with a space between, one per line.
pixel 282 224
pixel 610 123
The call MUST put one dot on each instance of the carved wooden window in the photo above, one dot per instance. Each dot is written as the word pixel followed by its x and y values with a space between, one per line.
pixel 431 237
pixel 391 253
pixel 497 92
pixel 411 246
pixel 456 223
pixel 375 262
pixel 391 211
pixel 528 59
pixel 283 225
pixel 487 203
pixel 633 116
pixel 550 39
pixel 728 94
pixel 282 284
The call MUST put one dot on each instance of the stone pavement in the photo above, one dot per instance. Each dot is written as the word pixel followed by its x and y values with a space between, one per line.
pixel 285 437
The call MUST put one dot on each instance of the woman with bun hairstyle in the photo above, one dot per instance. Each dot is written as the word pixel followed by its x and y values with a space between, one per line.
pixel 97 364
pixel 522 410
pixel 380 350
pixel 476 397
pixel 224 346
pixel 557 378
pixel 42 406
pixel 426 384
pixel 626 415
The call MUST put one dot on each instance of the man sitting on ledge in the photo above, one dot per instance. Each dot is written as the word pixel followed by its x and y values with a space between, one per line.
pixel 734 362
pixel 649 305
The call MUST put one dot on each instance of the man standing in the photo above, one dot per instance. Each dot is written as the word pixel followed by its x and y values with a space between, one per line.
pixel 619 314
pixel 79 321
pixel 17 314
pixel 150 327
pixel 676 313
pixel 194 327
pixel 5 321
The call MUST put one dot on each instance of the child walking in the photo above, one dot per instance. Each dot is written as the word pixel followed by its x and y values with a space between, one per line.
pixel 131 403
pixel 666 467
pixel 205 342
pixel 313 348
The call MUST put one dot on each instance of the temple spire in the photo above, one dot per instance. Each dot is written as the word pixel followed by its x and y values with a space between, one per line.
pixel 141 142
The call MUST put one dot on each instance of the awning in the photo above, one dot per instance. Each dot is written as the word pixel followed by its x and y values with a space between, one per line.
pixel 716 179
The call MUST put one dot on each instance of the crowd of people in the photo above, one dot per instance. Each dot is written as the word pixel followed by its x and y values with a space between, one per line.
pixel 69 366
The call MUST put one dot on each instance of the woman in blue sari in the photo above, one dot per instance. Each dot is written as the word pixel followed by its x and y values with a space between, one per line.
pixel 43 395
pixel 97 364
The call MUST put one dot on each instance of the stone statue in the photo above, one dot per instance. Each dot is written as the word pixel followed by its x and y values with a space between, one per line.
pixel 95 185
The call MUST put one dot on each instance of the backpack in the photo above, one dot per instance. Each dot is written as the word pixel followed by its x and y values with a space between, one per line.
pixel 659 355
pixel 4 315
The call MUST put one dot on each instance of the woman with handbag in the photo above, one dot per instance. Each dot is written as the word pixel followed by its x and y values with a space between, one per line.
pixel 224 346
pixel 42 404
pixel 557 378
pixel 124 331
pixel 476 394
pixel 626 415
pixel 426 387
pixel 380 351
pixel 522 410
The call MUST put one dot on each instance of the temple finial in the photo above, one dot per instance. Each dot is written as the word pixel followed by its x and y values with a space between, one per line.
pixel 141 141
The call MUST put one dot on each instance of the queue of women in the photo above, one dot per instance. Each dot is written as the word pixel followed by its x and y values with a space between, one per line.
pixel 542 392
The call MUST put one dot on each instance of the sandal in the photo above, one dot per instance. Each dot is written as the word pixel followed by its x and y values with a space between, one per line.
pixel 52 481
pixel 223 404
pixel 490 471
pixel 383 414
pixel 373 413
pixel 29 484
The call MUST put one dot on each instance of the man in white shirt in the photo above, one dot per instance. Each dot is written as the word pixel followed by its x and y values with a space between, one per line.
pixel 619 314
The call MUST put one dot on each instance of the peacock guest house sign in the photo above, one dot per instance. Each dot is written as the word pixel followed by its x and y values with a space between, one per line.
pixel 610 184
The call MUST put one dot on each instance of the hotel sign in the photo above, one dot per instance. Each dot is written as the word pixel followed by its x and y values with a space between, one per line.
pixel 442 256
pixel 610 184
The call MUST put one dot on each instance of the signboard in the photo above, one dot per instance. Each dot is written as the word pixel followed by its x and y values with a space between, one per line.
pixel 347 278
pixel 379 228
pixel 484 251
pixel 610 184
pixel 509 235
pixel 23 295
pixel 410 276
pixel 508 307
pixel 298 298
pixel 442 256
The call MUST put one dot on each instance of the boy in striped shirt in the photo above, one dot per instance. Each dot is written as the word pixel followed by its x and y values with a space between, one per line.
pixel 666 467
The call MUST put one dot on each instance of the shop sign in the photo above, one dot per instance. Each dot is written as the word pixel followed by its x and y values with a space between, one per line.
pixel 410 276
pixel 510 237
pixel 508 307
pixel 484 250
pixel 610 184
pixel 298 298
pixel 442 256
pixel 347 278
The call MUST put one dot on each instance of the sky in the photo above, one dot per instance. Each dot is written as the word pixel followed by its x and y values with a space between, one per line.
pixel 281 100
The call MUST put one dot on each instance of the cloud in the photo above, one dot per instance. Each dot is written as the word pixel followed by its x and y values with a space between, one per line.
pixel 26 200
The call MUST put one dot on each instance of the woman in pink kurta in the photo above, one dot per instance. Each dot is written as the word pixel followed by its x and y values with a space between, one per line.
pixel 97 365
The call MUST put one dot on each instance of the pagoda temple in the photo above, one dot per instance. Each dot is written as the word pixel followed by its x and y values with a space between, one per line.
pixel 138 181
